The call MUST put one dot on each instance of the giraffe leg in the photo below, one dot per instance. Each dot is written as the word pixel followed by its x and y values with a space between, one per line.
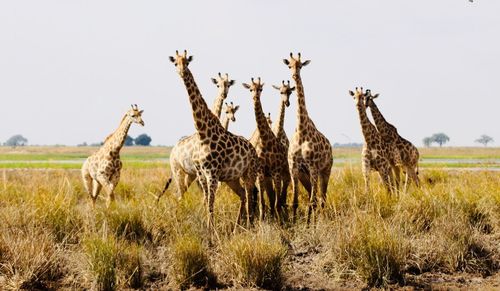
pixel 96 188
pixel 314 193
pixel 294 173
pixel 212 189
pixel 324 179
pixel 110 188
pixel 188 180
pixel 262 203
pixel 271 195
pixel 240 191
pixel 396 177
pixel 277 191
pixel 385 175
pixel 283 197
pixel 366 177
pixel 87 182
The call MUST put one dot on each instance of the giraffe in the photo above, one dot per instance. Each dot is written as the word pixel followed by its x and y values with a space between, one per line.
pixel 182 168
pixel 230 112
pixel 406 152
pixel 219 155
pixel 271 154
pixel 375 154
pixel 102 168
pixel 309 148
pixel 279 131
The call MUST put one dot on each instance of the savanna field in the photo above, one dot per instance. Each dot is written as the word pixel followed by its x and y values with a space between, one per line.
pixel 445 234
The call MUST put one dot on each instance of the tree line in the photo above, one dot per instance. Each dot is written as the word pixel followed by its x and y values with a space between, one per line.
pixel 441 139
pixel 141 140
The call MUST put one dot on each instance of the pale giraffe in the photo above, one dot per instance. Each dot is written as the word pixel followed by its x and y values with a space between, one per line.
pixel 375 154
pixel 230 112
pixel 309 148
pixel 102 169
pixel 219 155
pixel 271 153
pixel 407 152
pixel 182 168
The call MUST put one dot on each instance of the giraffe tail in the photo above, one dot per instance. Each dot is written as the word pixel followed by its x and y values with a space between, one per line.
pixel 167 184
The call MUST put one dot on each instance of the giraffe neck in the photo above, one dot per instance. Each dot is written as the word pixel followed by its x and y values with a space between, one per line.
pixel 278 127
pixel 219 100
pixel 265 131
pixel 225 123
pixel 302 116
pixel 205 121
pixel 368 129
pixel 383 126
pixel 117 139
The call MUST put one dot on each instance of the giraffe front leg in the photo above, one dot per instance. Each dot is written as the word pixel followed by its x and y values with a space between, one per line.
pixel 276 198
pixel 294 174
pixel 212 189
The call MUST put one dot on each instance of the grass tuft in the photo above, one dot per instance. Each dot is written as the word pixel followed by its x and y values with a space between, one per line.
pixel 101 256
pixel 191 264
pixel 256 259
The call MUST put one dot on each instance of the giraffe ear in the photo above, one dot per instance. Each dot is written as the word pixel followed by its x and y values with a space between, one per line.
pixel 306 63
pixel 292 89
pixel 214 81
pixel 246 85
pixel 351 93
pixel 140 112
pixel 276 87
pixel 171 59
pixel 236 108
pixel 286 62
pixel 375 96
pixel 231 83
pixel 189 59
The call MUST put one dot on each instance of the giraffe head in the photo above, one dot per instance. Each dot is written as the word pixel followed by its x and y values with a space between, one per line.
pixel 285 91
pixel 295 64
pixel 358 96
pixel 255 88
pixel 223 83
pixel 230 110
pixel 181 61
pixel 268 117
pixel 135 115
pixel 369 98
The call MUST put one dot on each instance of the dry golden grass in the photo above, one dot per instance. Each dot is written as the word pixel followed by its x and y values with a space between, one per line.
pixel 50 237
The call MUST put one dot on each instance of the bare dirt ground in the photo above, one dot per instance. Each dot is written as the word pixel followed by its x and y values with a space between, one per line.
pixel 302 273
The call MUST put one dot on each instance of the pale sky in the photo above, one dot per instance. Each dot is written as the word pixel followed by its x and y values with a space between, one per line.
pixel 69 70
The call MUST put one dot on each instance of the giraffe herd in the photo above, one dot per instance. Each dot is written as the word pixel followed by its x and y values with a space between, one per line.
pixel 266 163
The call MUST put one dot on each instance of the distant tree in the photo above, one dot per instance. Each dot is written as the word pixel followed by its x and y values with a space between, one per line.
pixel 440 138
pixel 16 140
pixel 427 141
pixel 143 140
pixel 83 144
pixel 484 140
pixel 129 141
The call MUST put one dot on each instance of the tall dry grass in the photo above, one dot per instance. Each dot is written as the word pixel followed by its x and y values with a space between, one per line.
pixel 50 236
